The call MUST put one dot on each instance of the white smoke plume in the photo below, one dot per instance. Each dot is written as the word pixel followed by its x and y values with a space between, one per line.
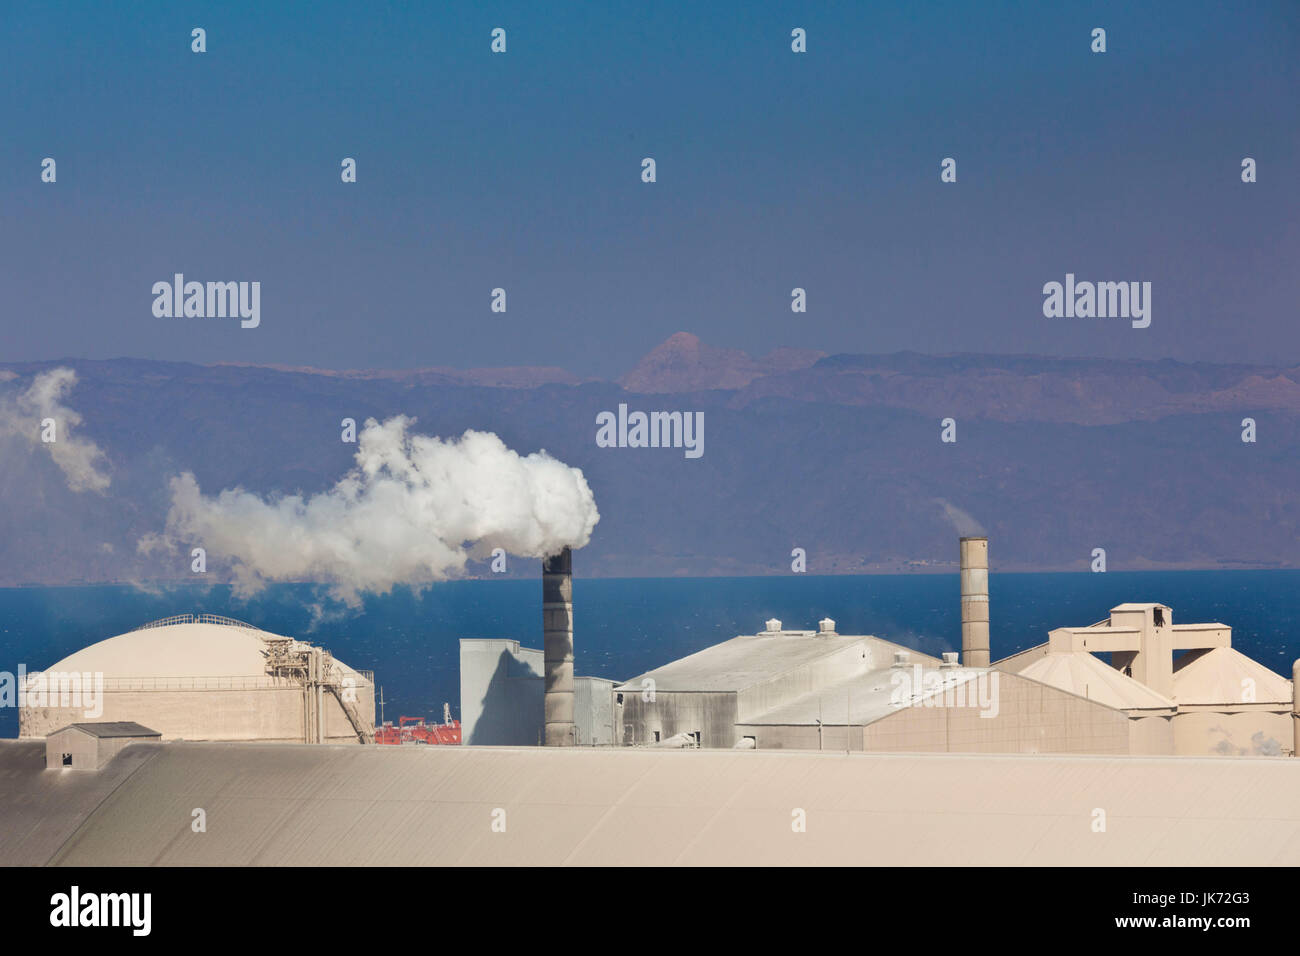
pixel 21 415
pixel 963 523
pixel 412 511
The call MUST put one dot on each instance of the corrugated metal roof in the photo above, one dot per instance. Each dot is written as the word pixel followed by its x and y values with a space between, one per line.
pixel 747 661
pixel 868 696
pixel 1221 675
pixel 112 728
pixel 40 809
pixel 313 805
pixel 1082 674
pixel 742 662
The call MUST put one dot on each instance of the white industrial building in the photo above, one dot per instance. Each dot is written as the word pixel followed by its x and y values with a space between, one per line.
pixel 819 690
pixel 1184 687
pixel 1165 689
pixel 203 677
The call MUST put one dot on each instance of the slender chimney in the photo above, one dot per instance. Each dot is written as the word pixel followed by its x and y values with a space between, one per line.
pixel 975 602
pixel 557 648
pixel 1295 709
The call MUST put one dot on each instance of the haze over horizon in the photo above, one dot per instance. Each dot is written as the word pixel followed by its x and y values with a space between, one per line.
pixel 774 171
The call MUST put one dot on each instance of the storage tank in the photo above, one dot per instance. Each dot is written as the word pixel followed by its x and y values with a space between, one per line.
pixel 203 677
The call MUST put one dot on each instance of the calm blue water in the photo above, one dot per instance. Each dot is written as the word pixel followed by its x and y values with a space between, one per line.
pixel 625 626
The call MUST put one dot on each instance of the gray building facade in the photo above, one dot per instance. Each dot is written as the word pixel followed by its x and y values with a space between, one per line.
pixel 501 692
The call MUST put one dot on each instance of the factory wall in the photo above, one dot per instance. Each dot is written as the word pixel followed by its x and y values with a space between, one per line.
pixel 593 711
pixel 1151 735
pixel 82 748
pixel 501 690
pixel 1256 733
pixel 1030 718
pixel 500 693
pixel 803 737
pixel 272 713
pixel 710 714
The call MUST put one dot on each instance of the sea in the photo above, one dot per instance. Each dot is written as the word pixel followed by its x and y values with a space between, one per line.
pixel 623 627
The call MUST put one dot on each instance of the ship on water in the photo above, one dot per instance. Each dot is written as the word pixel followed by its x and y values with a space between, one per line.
pixel 415 731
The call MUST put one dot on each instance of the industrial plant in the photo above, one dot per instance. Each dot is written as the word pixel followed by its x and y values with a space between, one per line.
pixel 890 752
pixel 1164 689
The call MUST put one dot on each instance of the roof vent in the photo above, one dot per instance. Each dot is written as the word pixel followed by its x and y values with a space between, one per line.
pixel 949 659
pixel 773 626
pixel 900 658
pixel 826 626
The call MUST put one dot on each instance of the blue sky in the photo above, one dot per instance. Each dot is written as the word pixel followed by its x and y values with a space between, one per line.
pixel 522 171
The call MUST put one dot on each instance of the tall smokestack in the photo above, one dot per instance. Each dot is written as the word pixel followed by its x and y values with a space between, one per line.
pixel 557 648
pixel 975 602
pixel 1295 708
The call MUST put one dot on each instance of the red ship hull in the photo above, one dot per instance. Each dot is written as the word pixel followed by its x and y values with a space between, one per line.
pixel 415 731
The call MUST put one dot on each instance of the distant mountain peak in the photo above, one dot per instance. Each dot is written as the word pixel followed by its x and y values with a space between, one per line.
pixel 682 363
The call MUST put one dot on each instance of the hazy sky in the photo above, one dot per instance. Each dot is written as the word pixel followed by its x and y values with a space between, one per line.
pixel 522 170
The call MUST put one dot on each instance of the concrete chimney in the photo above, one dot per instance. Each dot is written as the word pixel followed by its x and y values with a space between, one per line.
pixel 557 648
pixel 975 602
pixel 1295 709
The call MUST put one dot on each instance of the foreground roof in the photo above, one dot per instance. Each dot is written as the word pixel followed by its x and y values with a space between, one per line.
pixel 40 809
pixel 287 804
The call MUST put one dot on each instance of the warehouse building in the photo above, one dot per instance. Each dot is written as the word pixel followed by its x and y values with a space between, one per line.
pixel 203 677
pixel 1134 683
pixel 819 690
pixel 1213 700
pixel 1165 689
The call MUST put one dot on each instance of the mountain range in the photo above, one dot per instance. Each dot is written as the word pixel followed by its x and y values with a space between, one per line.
pixel 839 455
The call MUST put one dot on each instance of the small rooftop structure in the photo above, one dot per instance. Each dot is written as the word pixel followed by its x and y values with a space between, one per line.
pixel 89 746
